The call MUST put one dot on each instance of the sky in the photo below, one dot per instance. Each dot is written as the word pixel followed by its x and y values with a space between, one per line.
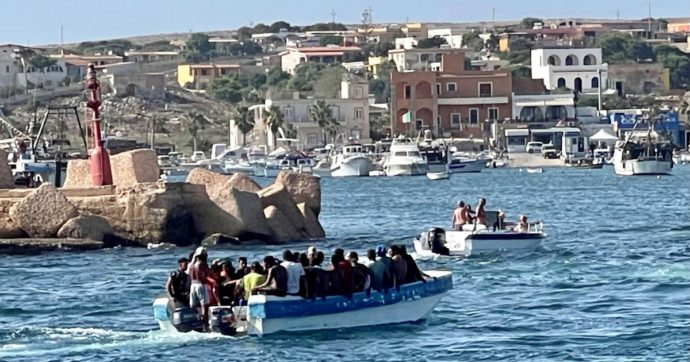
pixel 38 22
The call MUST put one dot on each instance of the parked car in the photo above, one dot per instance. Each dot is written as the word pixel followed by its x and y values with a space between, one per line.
pixel 549 151
pixel 533 147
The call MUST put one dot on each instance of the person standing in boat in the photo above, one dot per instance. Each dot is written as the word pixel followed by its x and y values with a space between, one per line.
pixel 459 216
pixel 178 284
pixel 295 271
pixel 480 214
pixel 201 280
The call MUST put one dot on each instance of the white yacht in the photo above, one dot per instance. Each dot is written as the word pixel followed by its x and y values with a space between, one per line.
pixel 643 153
pixel 351 161
pixel 462 163
pixel 404 159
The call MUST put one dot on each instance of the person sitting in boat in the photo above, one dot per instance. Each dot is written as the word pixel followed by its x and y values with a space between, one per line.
pixel 522 226
pixel 276 280
pixel 459 216
pixel 250 281
pixel 295 271
pixel 413 272
pixel 382 270
pixel 178 284
pixel 242 268
pixel 311 254
pixel 361 275
pixel 400 265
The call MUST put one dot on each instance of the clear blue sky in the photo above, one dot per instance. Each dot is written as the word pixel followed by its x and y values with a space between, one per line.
pixel 35 22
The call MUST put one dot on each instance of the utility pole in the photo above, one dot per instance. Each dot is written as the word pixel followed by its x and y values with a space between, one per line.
pixel 649 20
pixel 333 16
pixel 599 92
pixel 62 41
pixel 618 15
pixel 493 19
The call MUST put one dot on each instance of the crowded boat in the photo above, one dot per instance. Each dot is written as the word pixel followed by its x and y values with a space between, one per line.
pixel 298 291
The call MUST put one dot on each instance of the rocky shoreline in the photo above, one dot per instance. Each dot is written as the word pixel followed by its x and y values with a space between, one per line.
pixel 140 210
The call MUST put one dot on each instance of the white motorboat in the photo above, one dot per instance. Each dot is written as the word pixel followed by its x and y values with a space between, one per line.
pixel 377 173
pixel 535 170
pixel 238 167
pixel 461 163
pixel 404 159
pixel 643 153
pixel 351 162
pixel 270 314
pixel 438 175
pixel 322 168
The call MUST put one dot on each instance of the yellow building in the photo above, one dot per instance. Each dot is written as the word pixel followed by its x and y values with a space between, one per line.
pixel 374 65
pixel 415 30
pixel 198 76
pixel 679 25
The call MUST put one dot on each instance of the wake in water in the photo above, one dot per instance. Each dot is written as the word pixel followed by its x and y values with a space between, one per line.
pixel 31 342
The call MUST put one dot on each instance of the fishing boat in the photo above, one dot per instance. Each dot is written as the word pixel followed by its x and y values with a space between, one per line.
pixel 270 314
pixel 404 159
pixel 643 153
pixel 462 163
pixel 478 239
pixel 351 161
pixel 583 163
pixel 445 175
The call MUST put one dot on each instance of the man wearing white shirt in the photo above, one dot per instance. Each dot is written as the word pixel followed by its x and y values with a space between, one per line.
pixel 294 272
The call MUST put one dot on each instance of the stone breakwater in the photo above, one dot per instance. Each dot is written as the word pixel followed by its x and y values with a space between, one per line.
pixel 139 209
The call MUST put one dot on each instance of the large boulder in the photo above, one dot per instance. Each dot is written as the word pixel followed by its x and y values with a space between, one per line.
pixel 6 178
pixel 10 230
pixel 278 196
pixel 134 167
pixel 302 188
pixel 243 182
pixel 86 227
pixel 41 213
pixel 283 230
pixel 243 216
pixel 219 239
pixel 311 223
pixel 78 174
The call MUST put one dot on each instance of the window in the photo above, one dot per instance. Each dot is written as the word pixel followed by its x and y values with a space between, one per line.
pixel 418 124
pixel 289 113
pixel 7 68
pixel 451 87
pixel 438 89
pixel 485 90
pixel 408 91
pixel 356 134
pixel 312 138
pixel 493 113
pixel 474 116
pixel 595 82
pixel 359 113
pixel 455 120
pixel 204 72
pixel 561 82
pixel 358 92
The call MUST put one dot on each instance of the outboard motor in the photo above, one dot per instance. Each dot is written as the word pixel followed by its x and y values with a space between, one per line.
pixel 222 320
pixel 437 241
pixel 186 320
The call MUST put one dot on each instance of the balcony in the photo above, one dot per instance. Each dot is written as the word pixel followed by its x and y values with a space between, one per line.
pixel 471 101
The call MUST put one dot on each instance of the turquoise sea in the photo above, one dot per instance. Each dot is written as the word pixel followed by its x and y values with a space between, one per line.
pixel 610 283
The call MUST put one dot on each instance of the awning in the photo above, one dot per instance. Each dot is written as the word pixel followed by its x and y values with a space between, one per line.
pixel 602 135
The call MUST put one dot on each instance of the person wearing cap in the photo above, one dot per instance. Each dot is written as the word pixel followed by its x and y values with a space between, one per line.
pixel 381 270
pixel 361 274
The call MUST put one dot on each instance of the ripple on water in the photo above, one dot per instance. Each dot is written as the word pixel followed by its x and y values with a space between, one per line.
pixel 603 286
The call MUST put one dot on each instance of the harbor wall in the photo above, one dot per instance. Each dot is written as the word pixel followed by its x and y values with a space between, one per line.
pixel 135 212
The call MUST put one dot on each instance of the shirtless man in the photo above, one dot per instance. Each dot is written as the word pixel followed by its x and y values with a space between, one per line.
pixel 276 280
pixel 522 226
pixel 202 279
pixel 480 217
pixel 459 216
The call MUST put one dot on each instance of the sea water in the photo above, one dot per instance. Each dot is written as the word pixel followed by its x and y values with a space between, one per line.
pixel 611 281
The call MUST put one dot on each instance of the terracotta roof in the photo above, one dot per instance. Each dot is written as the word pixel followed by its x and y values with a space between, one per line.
pixel 211 66
pixel 324 54
pixel 324 49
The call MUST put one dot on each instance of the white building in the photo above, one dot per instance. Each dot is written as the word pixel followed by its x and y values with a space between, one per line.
pixel 294 56
pixel 351 110
pixel 406 43
pixel 12 70
pixel 544 107
pixel 580 69
pixel 9 65
pixel 417 59
pixel 453 37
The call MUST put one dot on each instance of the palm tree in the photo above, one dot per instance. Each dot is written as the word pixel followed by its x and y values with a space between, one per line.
pixel 243 123
pixel 273 117
pixel 194 122
pixel 321 114
pixel 290 131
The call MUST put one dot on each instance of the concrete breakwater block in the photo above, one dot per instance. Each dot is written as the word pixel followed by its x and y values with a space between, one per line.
pixel 133 167
pixel 41 213
pixel 6 178
pixel 302 188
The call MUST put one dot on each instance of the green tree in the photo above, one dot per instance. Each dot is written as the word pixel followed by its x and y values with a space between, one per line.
pixel 520 44
pixel 521 71
pixel 41 62
pixel 321 114
pixel 198 42
pixel 305 76
pixel 275 76
pixel 243 123
pixel 429 43
pixel 528 23
pixel 472 41
pixel 331 40
pixel 378 49
pixel 623 48
pixel 273 118
pixel 275 27
pixel 227 89
pixel 194 122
